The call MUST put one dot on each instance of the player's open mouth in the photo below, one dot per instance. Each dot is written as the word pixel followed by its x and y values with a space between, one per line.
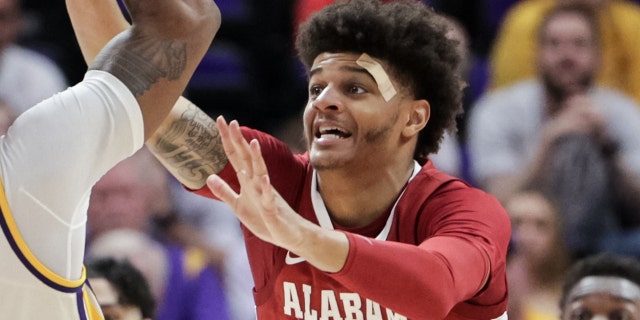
pixel 331 133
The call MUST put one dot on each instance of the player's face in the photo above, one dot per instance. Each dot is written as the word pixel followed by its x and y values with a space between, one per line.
pixel 347 120
pixel 568 54
pixel 601 306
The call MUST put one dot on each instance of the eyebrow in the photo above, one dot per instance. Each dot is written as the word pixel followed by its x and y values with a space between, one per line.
pixel 344 68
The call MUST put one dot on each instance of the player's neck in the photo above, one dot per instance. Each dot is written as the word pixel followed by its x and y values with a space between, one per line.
pixel 355 199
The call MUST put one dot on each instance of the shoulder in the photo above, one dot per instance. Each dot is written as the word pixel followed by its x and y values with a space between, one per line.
pixel 436 203
pixel 431 184
pixel 611 99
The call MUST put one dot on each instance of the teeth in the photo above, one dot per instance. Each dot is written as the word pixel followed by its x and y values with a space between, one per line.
pixel 331 133
pixel 331 136
pixel 327 130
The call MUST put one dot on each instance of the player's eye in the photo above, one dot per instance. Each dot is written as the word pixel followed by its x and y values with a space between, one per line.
pixel 356 90
pixel 581 315
pixel 315 91
pixel 620 315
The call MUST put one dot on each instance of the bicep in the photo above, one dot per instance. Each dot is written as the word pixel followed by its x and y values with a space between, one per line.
pixel 71 140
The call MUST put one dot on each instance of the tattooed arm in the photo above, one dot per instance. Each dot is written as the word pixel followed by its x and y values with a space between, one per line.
pixel 187 143
pixel 156 56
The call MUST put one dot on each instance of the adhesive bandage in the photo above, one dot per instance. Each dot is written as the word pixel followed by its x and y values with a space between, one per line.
pixel 377 72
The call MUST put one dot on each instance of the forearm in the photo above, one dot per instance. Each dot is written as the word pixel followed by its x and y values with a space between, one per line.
pixel 325 249
pixel 188 145
pixel 419 282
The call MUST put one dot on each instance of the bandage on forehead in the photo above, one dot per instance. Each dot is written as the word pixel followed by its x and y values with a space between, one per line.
pixel 616 286
pixel 377 72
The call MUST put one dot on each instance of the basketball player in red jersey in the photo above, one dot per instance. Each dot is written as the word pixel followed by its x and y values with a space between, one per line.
pixel 362 225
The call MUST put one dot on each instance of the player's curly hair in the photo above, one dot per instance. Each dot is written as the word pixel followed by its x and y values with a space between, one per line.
pixel 406 34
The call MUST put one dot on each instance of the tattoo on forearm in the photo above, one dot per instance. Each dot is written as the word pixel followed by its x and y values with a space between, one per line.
pixel 143 60
pixel 192 146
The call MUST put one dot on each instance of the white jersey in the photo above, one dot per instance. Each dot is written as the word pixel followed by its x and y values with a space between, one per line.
pixel 49 160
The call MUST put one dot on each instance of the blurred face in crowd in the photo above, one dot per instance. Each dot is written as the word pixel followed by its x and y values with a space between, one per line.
pixel 9 21
pixel 108 298
pixel 603 298
pixel 118 201
pixel 536 229
pixel 568 55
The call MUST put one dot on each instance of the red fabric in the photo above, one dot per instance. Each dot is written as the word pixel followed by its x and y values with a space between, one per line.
pixel 304 9
pixel 445 239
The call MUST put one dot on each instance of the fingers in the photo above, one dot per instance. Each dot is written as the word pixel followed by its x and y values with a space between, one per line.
pixel 235 146
pixel 268 197
pixel 257 161
pixel 222 190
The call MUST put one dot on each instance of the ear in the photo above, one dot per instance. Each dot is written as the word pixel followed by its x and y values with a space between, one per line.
pixel 419 114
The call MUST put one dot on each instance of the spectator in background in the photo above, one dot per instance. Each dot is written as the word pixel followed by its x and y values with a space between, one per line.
pixel 561 132
pixel 182 284
pixel 513 54
pixel 26 76
pixel 604 286
pixel 123 205
pixel 121 290
pixel 212 226
pixel 538 259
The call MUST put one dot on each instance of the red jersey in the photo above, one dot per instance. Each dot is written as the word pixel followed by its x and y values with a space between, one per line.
pixel 439 253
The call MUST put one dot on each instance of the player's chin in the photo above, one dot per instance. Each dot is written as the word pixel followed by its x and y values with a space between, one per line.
pixel 325 160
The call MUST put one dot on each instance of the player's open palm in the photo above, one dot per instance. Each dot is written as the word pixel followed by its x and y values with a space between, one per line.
pixel 258 206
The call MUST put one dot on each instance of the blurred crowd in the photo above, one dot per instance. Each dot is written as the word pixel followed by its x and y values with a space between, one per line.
pixel 551 128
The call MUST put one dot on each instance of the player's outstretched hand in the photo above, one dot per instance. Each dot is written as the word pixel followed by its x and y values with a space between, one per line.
pixel 265 213
pixel 258 206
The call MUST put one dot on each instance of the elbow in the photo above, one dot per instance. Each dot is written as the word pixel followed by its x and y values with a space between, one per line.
pixel 208 18
pixel 202 23
pixel 197 22
pixel 439 307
